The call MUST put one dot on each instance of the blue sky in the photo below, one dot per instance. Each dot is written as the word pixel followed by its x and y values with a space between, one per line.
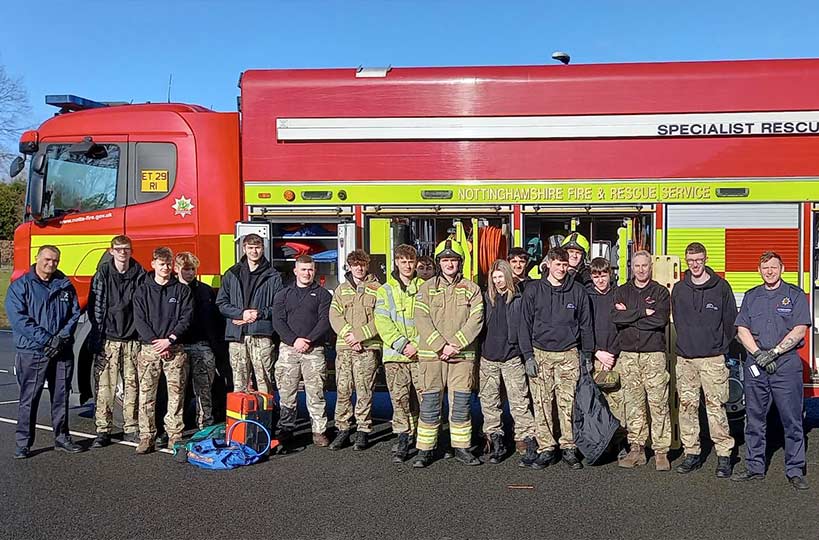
pixel 126 50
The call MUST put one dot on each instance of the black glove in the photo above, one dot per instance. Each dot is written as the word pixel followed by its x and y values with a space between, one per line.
pixel 763 358
pixel 531 367
pixel 587 359
pixel 770 367
pixel 57 342
pixel 54 346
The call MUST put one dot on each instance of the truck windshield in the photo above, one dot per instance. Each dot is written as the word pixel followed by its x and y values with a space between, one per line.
pixel 79 183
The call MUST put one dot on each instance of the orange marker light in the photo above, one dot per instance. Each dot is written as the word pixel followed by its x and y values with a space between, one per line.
pixel 289 196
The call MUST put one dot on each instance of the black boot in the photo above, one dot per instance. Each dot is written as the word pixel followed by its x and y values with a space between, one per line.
pixel 423 459
pixel 544 459
pixel 102 440
pixel 465 456
pixel 498 450
pixel 402 448
pixel 530 456
pixel 723 467
pixel 360 441
pixel 690 464
pixel 570 458
pixel 341 439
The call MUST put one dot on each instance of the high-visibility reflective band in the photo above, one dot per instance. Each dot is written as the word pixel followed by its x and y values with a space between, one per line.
pixel 227 253
pixel 433 336
pixel 461 338
pixel 486 194
pixel 422 306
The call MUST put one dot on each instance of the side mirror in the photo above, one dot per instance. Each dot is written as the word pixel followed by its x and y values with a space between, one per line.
pixel 16 166
pixel 38 164
pixel 36 185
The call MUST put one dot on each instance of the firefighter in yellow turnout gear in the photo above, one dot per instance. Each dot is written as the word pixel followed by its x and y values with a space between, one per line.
pixel 353 319
pixel 449 317
pixel 395 321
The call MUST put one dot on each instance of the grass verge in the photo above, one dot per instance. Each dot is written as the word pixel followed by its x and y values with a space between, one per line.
pixel 5 274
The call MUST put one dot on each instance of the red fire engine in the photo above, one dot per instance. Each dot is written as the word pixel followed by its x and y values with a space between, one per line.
pixel 634 156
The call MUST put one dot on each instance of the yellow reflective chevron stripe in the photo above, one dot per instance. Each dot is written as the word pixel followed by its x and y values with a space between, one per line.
pixel 477 309
pixel 433 336
pixel 422 306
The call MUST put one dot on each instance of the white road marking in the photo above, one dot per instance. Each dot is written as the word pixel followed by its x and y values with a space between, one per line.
pixel 81 434
pixel 9 402
pixel 4 371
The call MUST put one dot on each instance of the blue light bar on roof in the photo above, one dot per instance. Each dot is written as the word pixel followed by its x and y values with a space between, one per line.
pixel 69 102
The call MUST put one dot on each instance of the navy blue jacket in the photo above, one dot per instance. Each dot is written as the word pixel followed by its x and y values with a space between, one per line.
pixel 771 314
pixel 39 310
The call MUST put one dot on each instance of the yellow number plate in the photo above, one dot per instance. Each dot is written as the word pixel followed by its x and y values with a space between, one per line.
pixel 154 181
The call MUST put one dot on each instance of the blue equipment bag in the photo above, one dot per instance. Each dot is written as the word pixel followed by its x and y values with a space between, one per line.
pixel 216 454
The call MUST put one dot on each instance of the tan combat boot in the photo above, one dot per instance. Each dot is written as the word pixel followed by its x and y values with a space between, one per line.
pixel 635 457
pixel 146 446
pixel 320 439
pixel 661 462
pixel 172 441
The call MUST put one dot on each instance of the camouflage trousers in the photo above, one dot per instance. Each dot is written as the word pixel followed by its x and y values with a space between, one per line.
pixel 254 355
pixel 710 374
pixel 151 366
pixel 512 375
pixel 404 384
pixel 458 378
pixel 117 357
pixel 614 398
pixel 355 371
pixel 290 368
pixel 557 375
pixel 644 376
pixel 203 370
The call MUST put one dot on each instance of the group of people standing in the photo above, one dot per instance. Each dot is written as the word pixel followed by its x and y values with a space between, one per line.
pixel 529 339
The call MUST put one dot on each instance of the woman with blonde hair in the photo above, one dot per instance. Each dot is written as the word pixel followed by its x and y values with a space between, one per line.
pixel 502 363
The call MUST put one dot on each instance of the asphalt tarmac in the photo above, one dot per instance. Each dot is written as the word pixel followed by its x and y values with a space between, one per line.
pixel 316 493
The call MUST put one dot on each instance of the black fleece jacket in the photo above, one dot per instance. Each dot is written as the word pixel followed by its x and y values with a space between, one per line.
pixel 302 312
pixel 555 319
pixel 206 322
pixel 110 307
pixel 704 316
pixel 162 310
pixel 605 331
pixel 501 326
pixel 636 331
